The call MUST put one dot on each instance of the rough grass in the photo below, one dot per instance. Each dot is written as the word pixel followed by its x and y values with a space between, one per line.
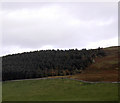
pixel 58 90
pixel 104 68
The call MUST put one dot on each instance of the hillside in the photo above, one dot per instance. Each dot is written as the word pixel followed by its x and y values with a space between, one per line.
pixel 45 63
pixel 104 69
pixel 88 65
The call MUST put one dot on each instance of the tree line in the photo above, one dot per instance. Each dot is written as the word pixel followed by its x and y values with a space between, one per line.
pixel 46 63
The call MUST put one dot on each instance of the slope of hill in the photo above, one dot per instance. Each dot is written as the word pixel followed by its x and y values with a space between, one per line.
pixel 104 69
pixel 61 63
pixel 46 63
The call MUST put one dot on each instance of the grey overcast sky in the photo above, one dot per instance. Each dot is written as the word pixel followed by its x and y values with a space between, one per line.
pixel 35 26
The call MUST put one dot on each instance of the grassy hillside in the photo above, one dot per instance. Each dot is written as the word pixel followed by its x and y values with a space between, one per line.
pixel 58 90
pixel 104 68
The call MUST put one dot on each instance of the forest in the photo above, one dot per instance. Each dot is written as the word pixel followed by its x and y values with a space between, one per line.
pixel 44 63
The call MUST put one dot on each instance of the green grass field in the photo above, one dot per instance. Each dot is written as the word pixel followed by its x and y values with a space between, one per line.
pixel 58 90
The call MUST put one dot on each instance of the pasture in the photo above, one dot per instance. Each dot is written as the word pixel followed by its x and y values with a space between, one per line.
pixel 58 90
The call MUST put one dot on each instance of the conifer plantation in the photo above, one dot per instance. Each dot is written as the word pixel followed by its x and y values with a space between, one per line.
pixel 46 63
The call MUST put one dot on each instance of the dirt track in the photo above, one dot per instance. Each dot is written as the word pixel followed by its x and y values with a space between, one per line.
pixel 64 78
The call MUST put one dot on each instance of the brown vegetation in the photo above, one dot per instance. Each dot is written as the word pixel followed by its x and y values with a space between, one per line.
pixel 104 68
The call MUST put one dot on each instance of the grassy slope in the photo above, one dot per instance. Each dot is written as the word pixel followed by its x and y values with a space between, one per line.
pixel 58 90
pixel 104 68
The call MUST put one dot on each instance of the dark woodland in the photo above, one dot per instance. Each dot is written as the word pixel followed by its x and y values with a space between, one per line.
pixel 46 63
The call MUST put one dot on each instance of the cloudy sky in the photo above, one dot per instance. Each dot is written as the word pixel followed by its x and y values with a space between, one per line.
pixel 35 26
